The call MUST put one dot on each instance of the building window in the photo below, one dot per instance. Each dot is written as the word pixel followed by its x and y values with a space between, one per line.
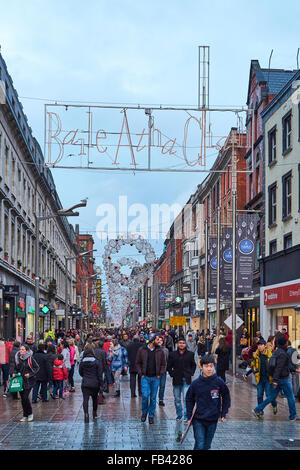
pixel 272 204
pixel 257 172
pixel 273 247
pixel 287 241
pixel 287 132
pixel 272 145
pixel 287 195
pixel 195 284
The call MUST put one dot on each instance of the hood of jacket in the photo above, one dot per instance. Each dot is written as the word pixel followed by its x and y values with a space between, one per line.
pixel 58 362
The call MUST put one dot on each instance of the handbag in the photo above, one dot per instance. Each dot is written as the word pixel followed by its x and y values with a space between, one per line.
pixel 16 384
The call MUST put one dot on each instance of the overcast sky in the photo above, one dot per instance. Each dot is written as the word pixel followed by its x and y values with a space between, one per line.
pixel 122 51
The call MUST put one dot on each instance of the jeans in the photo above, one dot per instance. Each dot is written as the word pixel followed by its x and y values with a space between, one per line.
pixel 26 405
pixel 264 386
pixel 58 385
pixel 35 391
pixel 177 391
pixel 285 386
pixel 203 434
pixel 109 376
pixel 5 373
pixel 116 375
pixel 149 392
pixel 162 386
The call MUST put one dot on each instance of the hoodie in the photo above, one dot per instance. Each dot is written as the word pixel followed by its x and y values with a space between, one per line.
pixel 212 397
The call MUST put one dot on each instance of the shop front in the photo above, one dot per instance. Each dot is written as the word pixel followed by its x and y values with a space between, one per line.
pixel 280 307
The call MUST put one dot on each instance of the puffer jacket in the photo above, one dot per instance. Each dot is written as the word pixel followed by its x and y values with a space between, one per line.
pixel 255 364
pixel 91 372
pixel 59 370
pixel 117 361
pixel 51 358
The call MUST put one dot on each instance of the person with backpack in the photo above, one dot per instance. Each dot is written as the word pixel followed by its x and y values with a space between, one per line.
pixel 279 369
pixel 259 366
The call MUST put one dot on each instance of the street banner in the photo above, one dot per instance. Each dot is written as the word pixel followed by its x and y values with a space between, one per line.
pixel 212 267
pixel 226 264
pixel 246 231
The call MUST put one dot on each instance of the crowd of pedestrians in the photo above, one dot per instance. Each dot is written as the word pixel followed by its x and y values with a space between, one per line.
pixel 103 356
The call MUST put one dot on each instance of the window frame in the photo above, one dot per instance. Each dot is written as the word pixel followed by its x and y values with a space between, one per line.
pixel 287 117
pixel 285 238
pixel 272 242
pixel 272 132
pixel 272 221
pixel 286 215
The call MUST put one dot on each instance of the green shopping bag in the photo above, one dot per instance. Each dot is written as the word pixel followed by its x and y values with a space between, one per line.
pixel 16 384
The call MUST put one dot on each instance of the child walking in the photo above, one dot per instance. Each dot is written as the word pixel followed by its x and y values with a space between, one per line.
pixel 60 374
pixel 211 396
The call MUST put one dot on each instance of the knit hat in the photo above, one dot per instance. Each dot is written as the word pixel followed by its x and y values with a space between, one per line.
pixel 152 337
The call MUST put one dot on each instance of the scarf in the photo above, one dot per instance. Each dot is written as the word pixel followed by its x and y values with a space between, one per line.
pixel 22 357
pixel 116 350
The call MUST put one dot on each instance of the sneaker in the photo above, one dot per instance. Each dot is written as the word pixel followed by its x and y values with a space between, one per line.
pixel 22 420
pixel 178 419
pixel 179 436
pixel 296 418
pixel 62 398
pixel 30 418
pixel 257 414
pixel 143 417
pixel 186 421
pixel 161 403
pixel 151 420
pixel 275 410
pixel 4 395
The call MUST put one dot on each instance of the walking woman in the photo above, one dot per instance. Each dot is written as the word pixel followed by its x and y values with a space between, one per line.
pixel 65 351
pixel 222 352
pixel 28 368
pixel 117 357
pixel 91 372
pixel 72 362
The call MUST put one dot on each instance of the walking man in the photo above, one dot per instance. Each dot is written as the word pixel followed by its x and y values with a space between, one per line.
pixel 181 367
pixel 132 351
pixel 150 364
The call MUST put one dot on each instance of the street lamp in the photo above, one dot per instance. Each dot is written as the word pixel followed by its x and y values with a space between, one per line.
pixel 68 258
pixel 60 213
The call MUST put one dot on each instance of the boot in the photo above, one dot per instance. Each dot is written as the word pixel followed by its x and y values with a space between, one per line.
pixel 95 414
pixel 86 417
pixel 117 393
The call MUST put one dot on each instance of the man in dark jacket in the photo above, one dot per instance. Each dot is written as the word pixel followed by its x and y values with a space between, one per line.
pixel 150 364
pixel 44 374
pixel 169 344
pixel 280 368
pixel 91 372
pixel 132 351
pixel 181 367
pixel 29 341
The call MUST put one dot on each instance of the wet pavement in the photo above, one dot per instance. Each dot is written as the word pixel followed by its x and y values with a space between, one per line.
pixel 59 424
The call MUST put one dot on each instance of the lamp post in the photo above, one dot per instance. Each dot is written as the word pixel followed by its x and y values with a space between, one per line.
pixel 68 258
pixel 60 213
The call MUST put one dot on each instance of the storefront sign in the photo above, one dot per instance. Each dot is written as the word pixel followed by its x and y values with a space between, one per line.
pixel 11 290
pixel 281 295
pixel 178 321
pixel 246 231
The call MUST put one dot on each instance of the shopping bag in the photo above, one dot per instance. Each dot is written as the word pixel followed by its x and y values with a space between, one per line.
pixel 16 384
